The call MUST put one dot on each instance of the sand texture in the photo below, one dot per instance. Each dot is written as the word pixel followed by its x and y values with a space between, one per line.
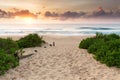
pixel 65 61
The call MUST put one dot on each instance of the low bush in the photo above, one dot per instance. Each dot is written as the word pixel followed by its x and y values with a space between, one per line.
pixel 7 61
pixel 10 49
pixel 93 48
pixel 86 43
pixel 8 45
pixel 106 48
pixel 32 40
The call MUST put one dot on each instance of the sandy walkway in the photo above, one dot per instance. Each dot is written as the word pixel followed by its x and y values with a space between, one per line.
pixel 65 61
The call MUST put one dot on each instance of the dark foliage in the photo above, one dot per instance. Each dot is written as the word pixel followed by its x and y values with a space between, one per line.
pixel 8 45
pixel 106 48
pixel 86 43
pixel 32 40
pixel 10 49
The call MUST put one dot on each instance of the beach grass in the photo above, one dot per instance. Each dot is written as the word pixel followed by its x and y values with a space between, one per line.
pixel 31 40
pixel 8 47
pixel 9 57
pixel 105 47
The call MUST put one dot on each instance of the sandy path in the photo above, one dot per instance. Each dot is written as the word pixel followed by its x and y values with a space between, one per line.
pixel 65 61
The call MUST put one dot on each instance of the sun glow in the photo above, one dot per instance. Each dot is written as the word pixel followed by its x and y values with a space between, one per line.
pixel 28 20
pixel 25 20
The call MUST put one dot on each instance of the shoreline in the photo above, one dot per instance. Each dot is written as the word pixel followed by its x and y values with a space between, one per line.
pixel 16 37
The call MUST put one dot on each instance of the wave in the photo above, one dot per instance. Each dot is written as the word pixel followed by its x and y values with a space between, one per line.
pixel 59 29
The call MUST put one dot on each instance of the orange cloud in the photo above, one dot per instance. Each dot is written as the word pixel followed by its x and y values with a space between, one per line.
pixel 25 13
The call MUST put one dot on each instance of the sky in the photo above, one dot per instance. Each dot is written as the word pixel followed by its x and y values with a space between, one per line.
pixel 60 10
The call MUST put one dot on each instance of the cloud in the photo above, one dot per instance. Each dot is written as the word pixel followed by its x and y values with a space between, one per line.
pixel 16 12
pixel 65 15
pixel 25 13
pixel 38 13
pixel 117 13
pixel 51 14
pixel 99 13
pixel 70 14
pixel 4 14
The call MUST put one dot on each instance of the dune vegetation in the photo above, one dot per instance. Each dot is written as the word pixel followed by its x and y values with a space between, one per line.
pixel 32 40
pixel 105 47
pixel 8 50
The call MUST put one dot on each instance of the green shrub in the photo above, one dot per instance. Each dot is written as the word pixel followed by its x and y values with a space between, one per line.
pixel 99 35
pixel 111 37
pixel 106 48
pixel 96 46
pixel 8 45
pixel 113 44
pixel 9 48
pixel 86 43
pixel 7 61
pixel 107 37
pixel 32 40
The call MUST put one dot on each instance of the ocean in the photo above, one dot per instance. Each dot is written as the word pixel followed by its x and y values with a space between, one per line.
pixel 58 29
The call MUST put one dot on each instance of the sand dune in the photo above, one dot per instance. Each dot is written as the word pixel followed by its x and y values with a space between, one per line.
pixel 65 61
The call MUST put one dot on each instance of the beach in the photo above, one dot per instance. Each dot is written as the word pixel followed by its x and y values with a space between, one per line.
pixel 64 61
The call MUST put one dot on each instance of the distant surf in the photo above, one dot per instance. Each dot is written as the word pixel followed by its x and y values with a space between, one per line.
pixel 58 29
